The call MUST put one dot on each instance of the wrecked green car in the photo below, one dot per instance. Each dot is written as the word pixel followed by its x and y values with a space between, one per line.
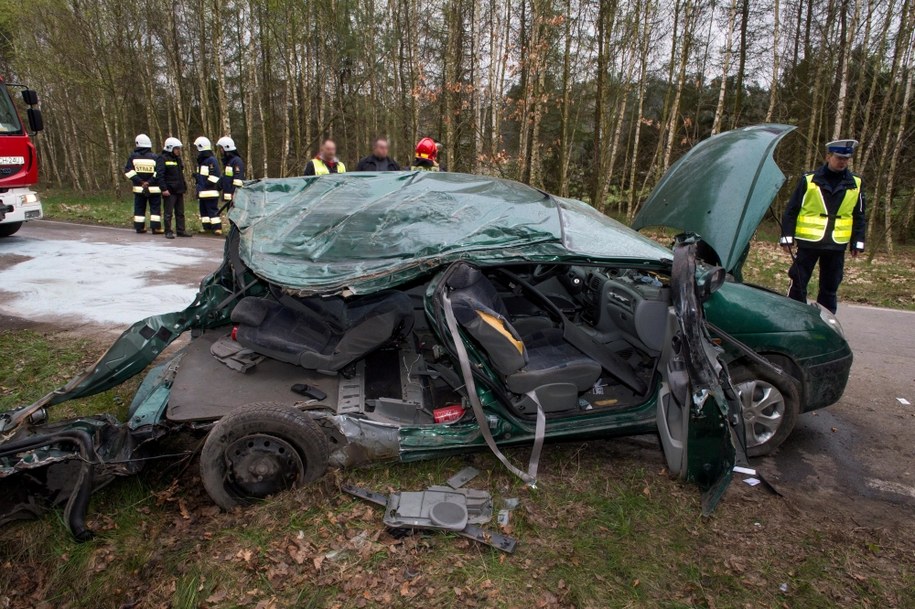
pixel 404 316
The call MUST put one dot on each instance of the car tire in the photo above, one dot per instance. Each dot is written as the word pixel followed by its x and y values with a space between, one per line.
pixel 259 450
pixel 9 228
pixel 771 406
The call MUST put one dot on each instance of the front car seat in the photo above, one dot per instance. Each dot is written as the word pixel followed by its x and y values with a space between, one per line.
pixel 542 362
pixel 323 334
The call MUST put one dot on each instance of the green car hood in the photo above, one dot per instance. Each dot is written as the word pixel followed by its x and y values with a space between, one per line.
pixel 720 190
pixel 363 232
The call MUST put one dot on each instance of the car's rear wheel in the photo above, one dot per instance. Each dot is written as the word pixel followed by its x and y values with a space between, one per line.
pixel 770 407
pixel 9 228
pixel 259 450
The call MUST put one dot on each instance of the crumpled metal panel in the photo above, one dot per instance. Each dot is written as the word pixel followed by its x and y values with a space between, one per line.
pixel 363 232
pixel 720 190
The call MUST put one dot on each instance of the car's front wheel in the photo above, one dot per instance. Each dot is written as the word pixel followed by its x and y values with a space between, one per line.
pixel 9 228
pixel 770 407
pixel 259 450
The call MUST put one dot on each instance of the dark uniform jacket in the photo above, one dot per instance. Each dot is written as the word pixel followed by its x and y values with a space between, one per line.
pixel 233 174
pixel 136 177
pixel 207 177
pixel 173 175
pixel 833 186
pixel 373 163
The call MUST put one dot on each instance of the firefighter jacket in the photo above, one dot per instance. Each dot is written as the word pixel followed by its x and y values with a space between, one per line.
pixel 173 175
pixel 233 174
pixel 207 177
pixel 144 167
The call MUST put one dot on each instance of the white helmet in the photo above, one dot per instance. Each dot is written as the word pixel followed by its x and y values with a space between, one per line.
pixel 143 141
pixel 171 143
pixel 202 144
pixel 226 143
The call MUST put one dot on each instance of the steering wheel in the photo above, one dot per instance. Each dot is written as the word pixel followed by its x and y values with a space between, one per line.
pixel 542 272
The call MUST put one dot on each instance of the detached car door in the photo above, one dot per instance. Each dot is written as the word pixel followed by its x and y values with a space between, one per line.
pixel 696 405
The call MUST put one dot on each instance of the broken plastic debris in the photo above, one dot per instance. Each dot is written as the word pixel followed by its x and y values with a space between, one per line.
pixel 744 470
pixel 904 401
pixel 503 518
pixel 511 503
pixel 783 588
pixel 463 477
pixel 752 481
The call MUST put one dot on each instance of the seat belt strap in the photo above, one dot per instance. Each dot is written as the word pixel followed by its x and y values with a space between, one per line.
pixel 529 477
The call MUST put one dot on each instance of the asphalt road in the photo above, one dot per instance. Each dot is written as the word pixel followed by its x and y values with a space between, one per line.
pixel 859 452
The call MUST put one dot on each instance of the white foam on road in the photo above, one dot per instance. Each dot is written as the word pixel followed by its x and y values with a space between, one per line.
pixel 107 283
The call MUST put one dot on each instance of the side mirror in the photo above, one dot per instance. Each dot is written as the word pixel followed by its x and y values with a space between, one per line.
pixel 36 123
pixel 30 97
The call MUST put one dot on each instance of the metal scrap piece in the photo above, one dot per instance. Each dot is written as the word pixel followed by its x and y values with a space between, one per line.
pixel 463 477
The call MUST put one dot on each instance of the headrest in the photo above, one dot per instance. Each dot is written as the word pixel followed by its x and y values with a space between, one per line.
pixel 464 276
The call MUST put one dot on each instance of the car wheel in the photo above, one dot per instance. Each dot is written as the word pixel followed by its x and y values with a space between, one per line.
pixel 259 450
pixel 9 228
pixel 770 407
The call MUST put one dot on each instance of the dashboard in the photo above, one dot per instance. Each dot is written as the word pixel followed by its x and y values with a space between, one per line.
pixel 629 301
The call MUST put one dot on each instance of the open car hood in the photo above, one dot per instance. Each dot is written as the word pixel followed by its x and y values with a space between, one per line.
pixel 720 190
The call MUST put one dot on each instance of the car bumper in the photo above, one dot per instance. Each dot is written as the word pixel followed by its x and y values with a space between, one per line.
pixel 21 212
pixel 824 381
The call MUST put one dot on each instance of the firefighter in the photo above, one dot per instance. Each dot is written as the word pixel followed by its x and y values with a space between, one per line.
pixel 425 156
pixel 824 217
pixel 326 162
pixel 233 169
pixel 208 181
pixel 173 188
pixel 144 170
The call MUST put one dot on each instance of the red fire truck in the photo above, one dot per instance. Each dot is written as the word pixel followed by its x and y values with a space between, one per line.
pixel 18 160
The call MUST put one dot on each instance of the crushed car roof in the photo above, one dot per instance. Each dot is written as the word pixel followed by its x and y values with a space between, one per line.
pixel 363 232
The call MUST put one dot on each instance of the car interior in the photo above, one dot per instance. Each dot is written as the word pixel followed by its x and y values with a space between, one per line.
pixel 582 339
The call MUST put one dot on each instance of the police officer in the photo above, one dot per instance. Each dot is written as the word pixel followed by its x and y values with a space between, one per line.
pixel 824 217
pixel 208 180
pixel 233 168
pixel 144 170
pixel 326 162
pixel 173 188
pixel 424 159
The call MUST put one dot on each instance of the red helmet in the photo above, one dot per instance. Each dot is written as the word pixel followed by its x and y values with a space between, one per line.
pixel 426 149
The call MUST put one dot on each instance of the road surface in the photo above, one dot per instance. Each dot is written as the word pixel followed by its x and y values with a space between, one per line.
pixel 859 452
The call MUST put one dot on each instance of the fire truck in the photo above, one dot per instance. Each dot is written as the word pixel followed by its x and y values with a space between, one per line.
pixel 18 160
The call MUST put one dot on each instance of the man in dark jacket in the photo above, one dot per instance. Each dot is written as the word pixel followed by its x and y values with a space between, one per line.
pixel 208 181
pixel 379 159
pixel 173 188
pixel 144 170
pixel 824 217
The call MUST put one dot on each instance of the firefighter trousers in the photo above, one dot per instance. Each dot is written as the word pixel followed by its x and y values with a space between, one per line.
pixel 140 201
pixel 174 205
pixel 209 214
pixel 832 267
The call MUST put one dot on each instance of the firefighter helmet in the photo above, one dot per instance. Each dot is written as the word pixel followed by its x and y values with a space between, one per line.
pixel 202 144
pixel 426 149
pixel 171 143
pixel 226 143
pixel 143 141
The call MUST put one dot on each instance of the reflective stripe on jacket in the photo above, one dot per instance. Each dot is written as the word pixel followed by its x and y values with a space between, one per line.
pixel 321 169
pixel 233 175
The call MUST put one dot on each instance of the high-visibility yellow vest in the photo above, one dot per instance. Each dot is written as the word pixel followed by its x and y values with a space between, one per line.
pixel 322 170
pixel 814 216
pixel 424 168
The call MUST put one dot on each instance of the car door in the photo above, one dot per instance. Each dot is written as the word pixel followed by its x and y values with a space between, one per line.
pixel 696 404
